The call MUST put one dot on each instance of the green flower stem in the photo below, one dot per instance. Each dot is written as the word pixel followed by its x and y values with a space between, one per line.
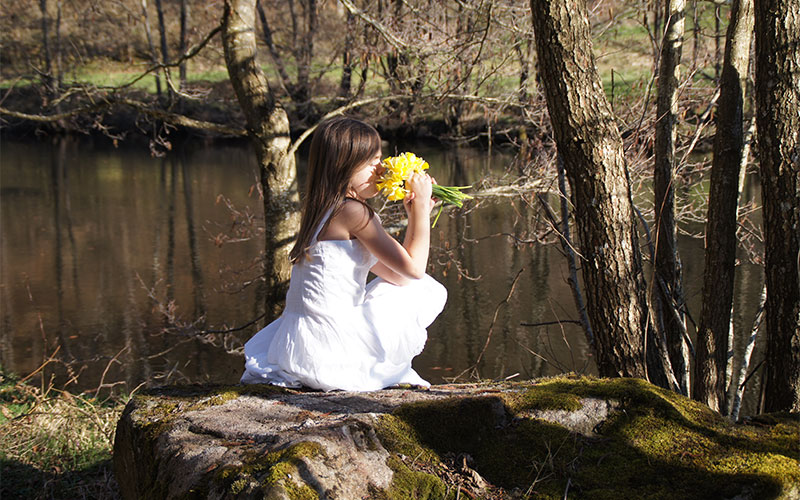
pixel 453 195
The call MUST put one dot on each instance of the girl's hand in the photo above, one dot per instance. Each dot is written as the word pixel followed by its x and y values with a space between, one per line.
pixel 419 199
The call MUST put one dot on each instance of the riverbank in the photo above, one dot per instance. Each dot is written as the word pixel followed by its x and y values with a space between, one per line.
pixel 142 118
pixel 55 444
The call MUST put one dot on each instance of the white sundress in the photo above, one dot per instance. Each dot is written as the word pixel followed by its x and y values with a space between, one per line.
pixel 337 331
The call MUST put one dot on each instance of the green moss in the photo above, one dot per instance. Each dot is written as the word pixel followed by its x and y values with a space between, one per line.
pixel 238 486
pixel 280 475
pixel 273 470
pixel 409 484
pixel 15 398
pixel 454 422
pixel 402 438
pixel 544 397
pixel 659 444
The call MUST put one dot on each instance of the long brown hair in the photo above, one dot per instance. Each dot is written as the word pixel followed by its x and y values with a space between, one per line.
pixel 338 147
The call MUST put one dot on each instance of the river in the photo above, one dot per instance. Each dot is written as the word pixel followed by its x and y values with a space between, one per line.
pixel 112 260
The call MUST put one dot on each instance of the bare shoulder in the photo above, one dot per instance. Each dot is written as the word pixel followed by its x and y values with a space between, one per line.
pixel 351 218
pixel 355 215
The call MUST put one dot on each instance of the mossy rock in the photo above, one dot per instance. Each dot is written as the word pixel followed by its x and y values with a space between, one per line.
pixel 657 445
pixel 486 440
pixel 272 475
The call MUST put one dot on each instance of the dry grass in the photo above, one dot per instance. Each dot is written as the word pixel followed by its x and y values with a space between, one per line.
pixel 54 444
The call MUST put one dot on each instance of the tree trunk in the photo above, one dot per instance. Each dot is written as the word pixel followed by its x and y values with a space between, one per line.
pixel 524 58
pixel 667 285
pixel 183 35
pixel 162 32
pixel 591 146
pixel 273 50
pixel 48 65
pixel 268 125
pixel 714 333
pixel 777 32
pixel 153 53
pixel 305 54
pixel 346 82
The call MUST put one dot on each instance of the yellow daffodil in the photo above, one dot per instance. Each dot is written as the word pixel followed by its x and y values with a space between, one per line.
pixel 399 168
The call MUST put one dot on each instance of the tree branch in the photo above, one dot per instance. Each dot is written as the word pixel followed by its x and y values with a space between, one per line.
pixel 380 28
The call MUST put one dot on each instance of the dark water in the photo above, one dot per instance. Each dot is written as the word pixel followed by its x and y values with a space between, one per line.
pixel 97 243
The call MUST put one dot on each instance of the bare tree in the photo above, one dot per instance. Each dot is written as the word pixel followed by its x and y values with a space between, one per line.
pixel 268 126
pixel 46 51
pixel 162 34
pixel 591 146
pixel 714 336
pixel 300 46
pixel 777 34
pixel 184 20
pixel 667 284
pixel 151 45
pixel 345 83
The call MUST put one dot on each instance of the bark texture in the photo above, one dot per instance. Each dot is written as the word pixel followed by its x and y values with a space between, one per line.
pixel 777 31
pixel 714 333
pixel 667 286
pixel 590 144
pixel 268 126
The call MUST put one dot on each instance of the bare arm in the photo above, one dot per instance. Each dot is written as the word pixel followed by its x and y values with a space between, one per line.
pixel 418 204
pixel 381 270
pixel 396 262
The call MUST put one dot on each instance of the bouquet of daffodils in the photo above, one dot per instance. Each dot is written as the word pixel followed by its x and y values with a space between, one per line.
pixel 399 168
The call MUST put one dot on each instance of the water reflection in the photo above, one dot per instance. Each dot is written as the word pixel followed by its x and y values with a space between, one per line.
pixel 90 233
pixel 104 248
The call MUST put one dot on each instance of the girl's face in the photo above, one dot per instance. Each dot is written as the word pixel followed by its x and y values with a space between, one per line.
pixel 365 177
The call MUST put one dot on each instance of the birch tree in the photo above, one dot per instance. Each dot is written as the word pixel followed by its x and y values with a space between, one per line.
pixel 268 127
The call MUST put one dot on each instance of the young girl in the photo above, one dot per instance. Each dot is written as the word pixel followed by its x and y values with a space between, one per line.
pixel 337 331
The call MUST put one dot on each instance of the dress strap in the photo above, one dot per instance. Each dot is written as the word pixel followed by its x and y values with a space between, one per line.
pixel 321 225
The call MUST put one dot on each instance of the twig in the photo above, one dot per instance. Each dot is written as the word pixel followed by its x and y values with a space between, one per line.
pixel 567 245
pixel 555 365
pixel 230 330
pixel 108 367
pixel 41 367
pixel 548 323
pixel 380 28
pixel 191 52
pixel 570 253
pixel 491 326
pixel 701 125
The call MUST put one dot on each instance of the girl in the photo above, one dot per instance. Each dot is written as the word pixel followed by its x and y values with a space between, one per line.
pixel 337 331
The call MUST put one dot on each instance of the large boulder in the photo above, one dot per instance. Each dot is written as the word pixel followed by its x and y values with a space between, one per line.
pixel 574 437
